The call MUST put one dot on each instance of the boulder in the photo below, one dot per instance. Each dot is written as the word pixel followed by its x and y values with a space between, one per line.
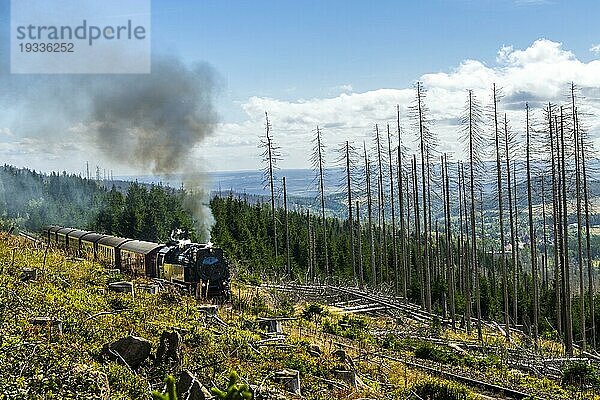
pixel 169 348
pixel 132 350
pixel 189 388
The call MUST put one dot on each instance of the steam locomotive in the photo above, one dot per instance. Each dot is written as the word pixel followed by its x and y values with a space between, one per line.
pixel 202 268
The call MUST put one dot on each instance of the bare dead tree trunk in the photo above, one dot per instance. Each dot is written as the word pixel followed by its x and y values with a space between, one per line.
pixel 449 258
pixel 465 248
pixel 579 223
pixel 556 225
pixel 370 217
pixel 419 255
pixel 271 159
pixel 532 240
pixel 310 256
pixel 403 245
pixel 383 255
pixel 359 244
pixel 512 225
pixel 392 203
pixel 516 213
pixel 423 144
pixel 429 245
pixel 318 161
pixel 567 289
pixel 407 248
pixel 500 215
pixel 544 231
pixel 472 160
pixel 350 206
pixel 287 233
pixel 587 234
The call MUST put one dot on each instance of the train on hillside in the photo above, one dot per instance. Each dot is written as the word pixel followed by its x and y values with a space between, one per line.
pixel 202 268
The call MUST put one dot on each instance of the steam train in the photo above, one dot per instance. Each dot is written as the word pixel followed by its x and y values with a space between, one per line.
pixel 202 268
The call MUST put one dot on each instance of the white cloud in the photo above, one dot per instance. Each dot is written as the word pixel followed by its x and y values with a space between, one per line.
pixel 538 74
pixel 6 132
pixel 595 48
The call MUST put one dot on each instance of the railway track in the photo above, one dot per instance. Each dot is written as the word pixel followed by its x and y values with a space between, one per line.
pixel 354 300
pixel 31 237
pixel 503 391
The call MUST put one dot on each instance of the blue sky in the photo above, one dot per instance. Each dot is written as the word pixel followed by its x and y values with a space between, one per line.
pixel 344 65
pixel 303 49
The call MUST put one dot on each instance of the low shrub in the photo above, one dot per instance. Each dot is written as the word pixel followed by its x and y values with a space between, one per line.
pixel 428 351
pixel 434 389
pixel 580 374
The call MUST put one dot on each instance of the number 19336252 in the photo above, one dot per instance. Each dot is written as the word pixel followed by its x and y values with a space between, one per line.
pixel 46 47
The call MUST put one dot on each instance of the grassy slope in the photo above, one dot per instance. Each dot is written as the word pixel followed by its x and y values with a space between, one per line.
pixel 38 363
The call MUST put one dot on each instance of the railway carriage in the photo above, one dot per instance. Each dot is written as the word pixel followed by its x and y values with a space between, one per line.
pixel 89 245
pixel 108 250
pixel 74 241
pixel 50 233
pixel 140 258
pixel 62 238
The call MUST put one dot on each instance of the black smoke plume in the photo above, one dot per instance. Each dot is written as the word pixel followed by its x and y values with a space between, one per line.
pixel 152 122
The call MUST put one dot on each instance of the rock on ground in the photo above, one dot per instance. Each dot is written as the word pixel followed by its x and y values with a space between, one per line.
pixel 131 349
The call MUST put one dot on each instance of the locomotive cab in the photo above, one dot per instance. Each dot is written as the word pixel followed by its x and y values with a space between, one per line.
pixel 195 264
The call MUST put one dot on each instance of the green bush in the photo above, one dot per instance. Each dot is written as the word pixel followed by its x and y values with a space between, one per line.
pixel 171 393
pixel 428 351
pixel 348 326
pixel 580 374
pixel 433 389
pixel 235 390
pixel 314 310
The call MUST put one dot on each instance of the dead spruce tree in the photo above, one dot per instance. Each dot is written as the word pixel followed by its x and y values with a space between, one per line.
pixel 427 143
pixel 559 122
pixel 499 191
pixel 347 162
pixel 361 273
pixel 556 218
pixel 584 148
pixel 512 214
pixel 317 161
pixel 532 236
pixel 472 137
pixel 405 257
pixel 578 195
pixel 270 157
pixel 370 216
pixel 464 264
pixel 349 165
pixel 448 244
pixel 288 261
pixel 418 238
pixel 393 211
pixel 383 256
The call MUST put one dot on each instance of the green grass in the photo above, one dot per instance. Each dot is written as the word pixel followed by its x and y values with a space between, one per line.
pixel 40 363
